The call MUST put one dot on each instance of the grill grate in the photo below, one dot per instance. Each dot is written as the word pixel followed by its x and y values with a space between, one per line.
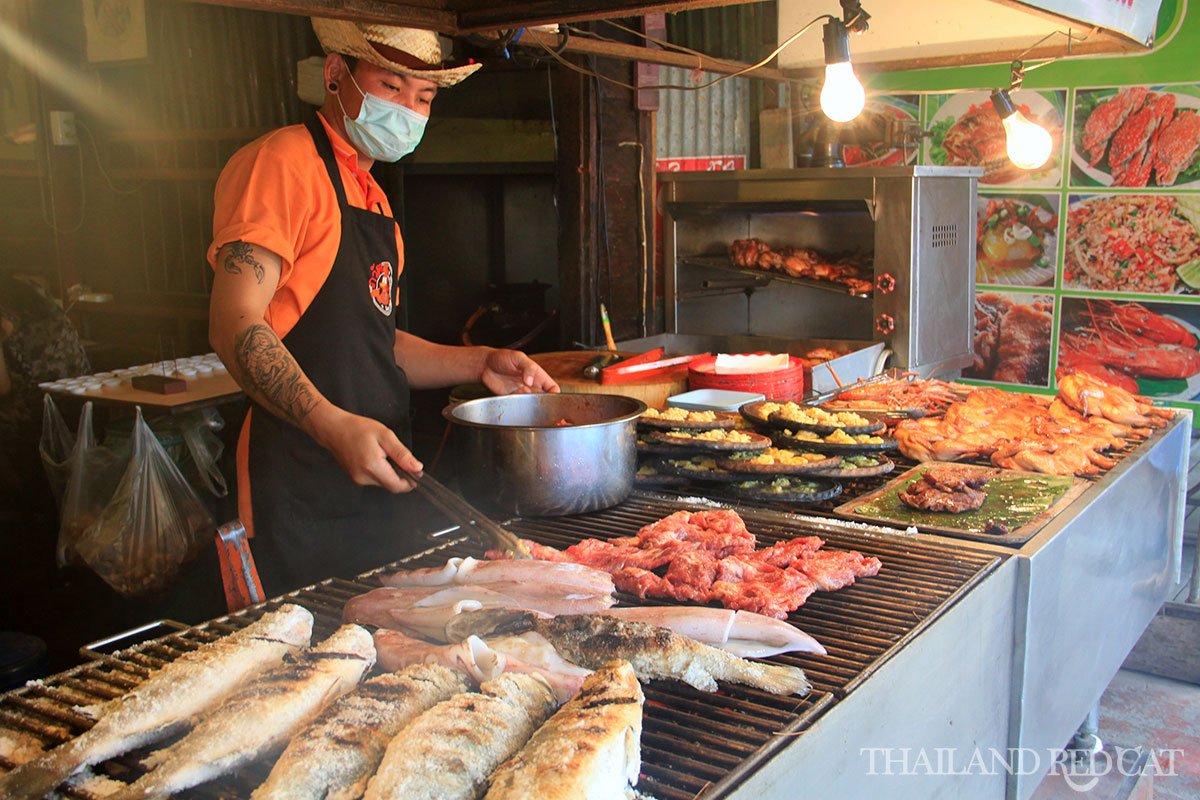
pixel 694 743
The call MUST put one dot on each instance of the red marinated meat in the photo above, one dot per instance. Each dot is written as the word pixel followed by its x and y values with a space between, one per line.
pixel 720 532
pixel 691 576
pixel 710 556
pixel 773 592
pixel 640 583
pixel 831 570
pixel 782 554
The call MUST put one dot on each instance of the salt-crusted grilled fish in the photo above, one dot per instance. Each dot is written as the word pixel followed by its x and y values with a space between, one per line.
pixel 590 640
pixel 590 748
pixel 335 756
pixel 448 752
pixel 261 717
pixel 168 700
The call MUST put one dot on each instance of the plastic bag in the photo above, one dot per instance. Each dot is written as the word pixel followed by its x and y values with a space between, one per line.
pixel 199 434
pixel 152 526
pixel 93 473
pixel 55 447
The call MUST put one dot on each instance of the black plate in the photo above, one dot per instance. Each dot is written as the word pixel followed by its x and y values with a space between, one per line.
pixel 750 411
pixel 759 442
pixel 763 470
pixel 724 421
pixel 782 423
pixel 714 476
pixel 858 472
pixel 825 490
pixel 658 479
pixel 784 439
pixel 645 448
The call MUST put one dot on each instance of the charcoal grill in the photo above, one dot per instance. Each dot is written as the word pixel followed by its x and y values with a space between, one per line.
pixel 694 744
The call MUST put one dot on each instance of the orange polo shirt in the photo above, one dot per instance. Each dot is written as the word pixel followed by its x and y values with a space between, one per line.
pixel 275 193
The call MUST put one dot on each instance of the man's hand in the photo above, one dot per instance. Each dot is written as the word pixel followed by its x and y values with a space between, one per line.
pixel 366 449
pixel 513 372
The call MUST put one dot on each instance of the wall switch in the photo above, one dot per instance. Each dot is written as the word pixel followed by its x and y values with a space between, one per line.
pixel 62 128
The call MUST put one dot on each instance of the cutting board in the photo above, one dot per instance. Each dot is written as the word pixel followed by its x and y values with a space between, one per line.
pixel 1024 501
pixel 566 367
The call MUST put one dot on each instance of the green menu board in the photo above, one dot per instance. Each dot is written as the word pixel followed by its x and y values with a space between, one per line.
pixel 1093 260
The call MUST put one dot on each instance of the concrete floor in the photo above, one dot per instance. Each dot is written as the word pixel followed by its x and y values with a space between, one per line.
pixel 1157 715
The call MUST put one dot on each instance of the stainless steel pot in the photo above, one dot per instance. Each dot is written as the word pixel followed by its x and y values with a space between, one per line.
pixel 512 457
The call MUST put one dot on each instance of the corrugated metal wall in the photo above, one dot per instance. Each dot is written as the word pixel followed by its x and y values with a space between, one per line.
pixel 723 119
pixel 709 122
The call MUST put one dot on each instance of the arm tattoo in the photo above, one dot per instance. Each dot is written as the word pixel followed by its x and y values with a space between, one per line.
pixel 273 375
pixel 239 254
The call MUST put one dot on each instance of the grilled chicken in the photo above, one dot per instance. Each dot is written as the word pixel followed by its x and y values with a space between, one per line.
pixel 591 640
pixel 261 717
pixel 448 752
pixel 335 756
pixel 168 700
pixel 590 748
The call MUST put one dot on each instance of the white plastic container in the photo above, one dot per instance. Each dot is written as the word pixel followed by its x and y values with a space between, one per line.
pixel 713 400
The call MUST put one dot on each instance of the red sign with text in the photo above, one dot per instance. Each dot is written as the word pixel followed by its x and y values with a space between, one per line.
pixel 700 164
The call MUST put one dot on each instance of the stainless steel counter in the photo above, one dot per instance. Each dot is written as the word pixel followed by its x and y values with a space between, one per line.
pixel 1089 584
pixel 1017 664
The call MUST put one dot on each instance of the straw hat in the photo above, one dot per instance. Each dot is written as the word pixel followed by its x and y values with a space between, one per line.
pixel 408 51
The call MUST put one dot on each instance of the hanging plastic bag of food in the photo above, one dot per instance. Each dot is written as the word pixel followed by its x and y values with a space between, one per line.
pixel 92 474
pixel 55 446
pixel 153 525
pixel 199 434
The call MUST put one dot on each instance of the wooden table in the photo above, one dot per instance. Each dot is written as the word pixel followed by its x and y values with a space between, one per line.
pixel 202 392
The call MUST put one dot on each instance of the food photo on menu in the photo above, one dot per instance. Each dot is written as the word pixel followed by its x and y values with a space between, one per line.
pixel 1012 338
pixel 1135 136
pixel 1016 239
pixel 1152 349
pixel 1133 243
pixel 883 135
pixel 965 131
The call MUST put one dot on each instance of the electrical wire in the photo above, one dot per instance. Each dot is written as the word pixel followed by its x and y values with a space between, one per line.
pixel 607 270
pixel 52 220
pixel 1018 68
pixel 100 164
pixel 652 39
pixel 553 117
pixel 714 82
pixel 645 270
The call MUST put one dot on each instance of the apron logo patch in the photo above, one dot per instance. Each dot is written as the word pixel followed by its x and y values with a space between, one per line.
pixel 380 285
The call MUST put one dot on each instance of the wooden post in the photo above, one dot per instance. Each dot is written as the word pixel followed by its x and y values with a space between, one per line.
pixel 576 193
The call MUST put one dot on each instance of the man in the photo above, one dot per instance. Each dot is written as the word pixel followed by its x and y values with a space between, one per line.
pixel 306 258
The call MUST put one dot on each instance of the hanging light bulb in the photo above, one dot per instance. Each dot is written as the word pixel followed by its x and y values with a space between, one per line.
pixel 842 96
pixel 1028 143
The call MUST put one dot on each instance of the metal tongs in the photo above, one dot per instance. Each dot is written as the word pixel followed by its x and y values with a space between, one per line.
pixel 466 515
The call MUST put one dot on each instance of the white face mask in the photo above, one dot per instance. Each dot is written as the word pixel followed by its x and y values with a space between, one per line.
pixel 383 131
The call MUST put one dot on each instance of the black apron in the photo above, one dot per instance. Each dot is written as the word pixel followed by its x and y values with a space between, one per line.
pixel 310 520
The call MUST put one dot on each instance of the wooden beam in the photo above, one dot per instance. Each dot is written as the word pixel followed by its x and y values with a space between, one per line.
pixel 431 14
pixel 629 52
pixel 1101 44
pixel 498 14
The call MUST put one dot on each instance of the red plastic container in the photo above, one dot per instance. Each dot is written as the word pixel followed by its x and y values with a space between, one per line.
pixel 779 384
